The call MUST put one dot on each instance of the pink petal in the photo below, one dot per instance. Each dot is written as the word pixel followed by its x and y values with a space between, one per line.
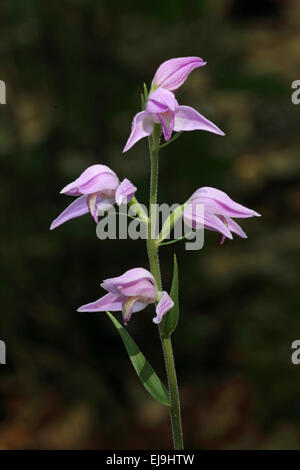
pixel 128 278
pixel 188 119
pixel 143 289
pixel 167 123
pixel 93 200
pixel 220 203
pixel 76 209
pixel 193 217
pixel 235 228
pixel 193 214
pixel 173 73
pixel 165 304
pixel 142 126
pixel 125 192
pixel 107 302
pixel 160 101
pixel 92 175
pixel 104 183
pixel 104 204
pixel 214 223
pixel 130 306
pixel 138 306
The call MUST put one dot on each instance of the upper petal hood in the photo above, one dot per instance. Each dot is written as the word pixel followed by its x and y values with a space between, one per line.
pixel 162 105
pixel 94 178
pixel 128 278
pixel 160 101
pixel 220 203
pixel 143 289
pixel 173 73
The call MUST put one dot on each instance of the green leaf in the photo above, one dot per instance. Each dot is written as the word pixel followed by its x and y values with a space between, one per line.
pixel 146 374
pixel 170 222
pixel 171 318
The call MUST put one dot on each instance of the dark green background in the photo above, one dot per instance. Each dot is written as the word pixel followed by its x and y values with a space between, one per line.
pixel 74 71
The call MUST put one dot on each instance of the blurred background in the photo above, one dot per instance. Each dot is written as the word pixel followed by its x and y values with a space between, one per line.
pixel 74 71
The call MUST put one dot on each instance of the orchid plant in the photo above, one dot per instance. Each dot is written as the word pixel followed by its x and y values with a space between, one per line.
pixel 98 188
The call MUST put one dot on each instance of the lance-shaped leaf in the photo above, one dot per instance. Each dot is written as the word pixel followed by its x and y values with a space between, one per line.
pixel 138 210
pixel 171 318
pixel 146 374
pixel 170 222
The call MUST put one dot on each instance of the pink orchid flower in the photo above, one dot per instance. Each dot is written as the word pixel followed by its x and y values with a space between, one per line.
pixel 171 74
pixel 129 293
pixel 98 187
pixel 219 209
pixel 162 106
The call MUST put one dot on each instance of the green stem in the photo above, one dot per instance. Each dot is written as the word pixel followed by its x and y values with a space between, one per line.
pixel 152 248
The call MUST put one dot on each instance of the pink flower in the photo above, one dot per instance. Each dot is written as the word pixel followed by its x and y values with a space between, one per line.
pixel 162 106
pixel 171 74
pixel 218 212
pixel 129 293
pixel 98 188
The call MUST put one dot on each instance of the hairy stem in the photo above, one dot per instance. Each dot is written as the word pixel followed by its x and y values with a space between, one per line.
pixel 152 248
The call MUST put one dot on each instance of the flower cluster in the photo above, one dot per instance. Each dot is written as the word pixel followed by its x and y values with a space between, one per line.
pixel 98 187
